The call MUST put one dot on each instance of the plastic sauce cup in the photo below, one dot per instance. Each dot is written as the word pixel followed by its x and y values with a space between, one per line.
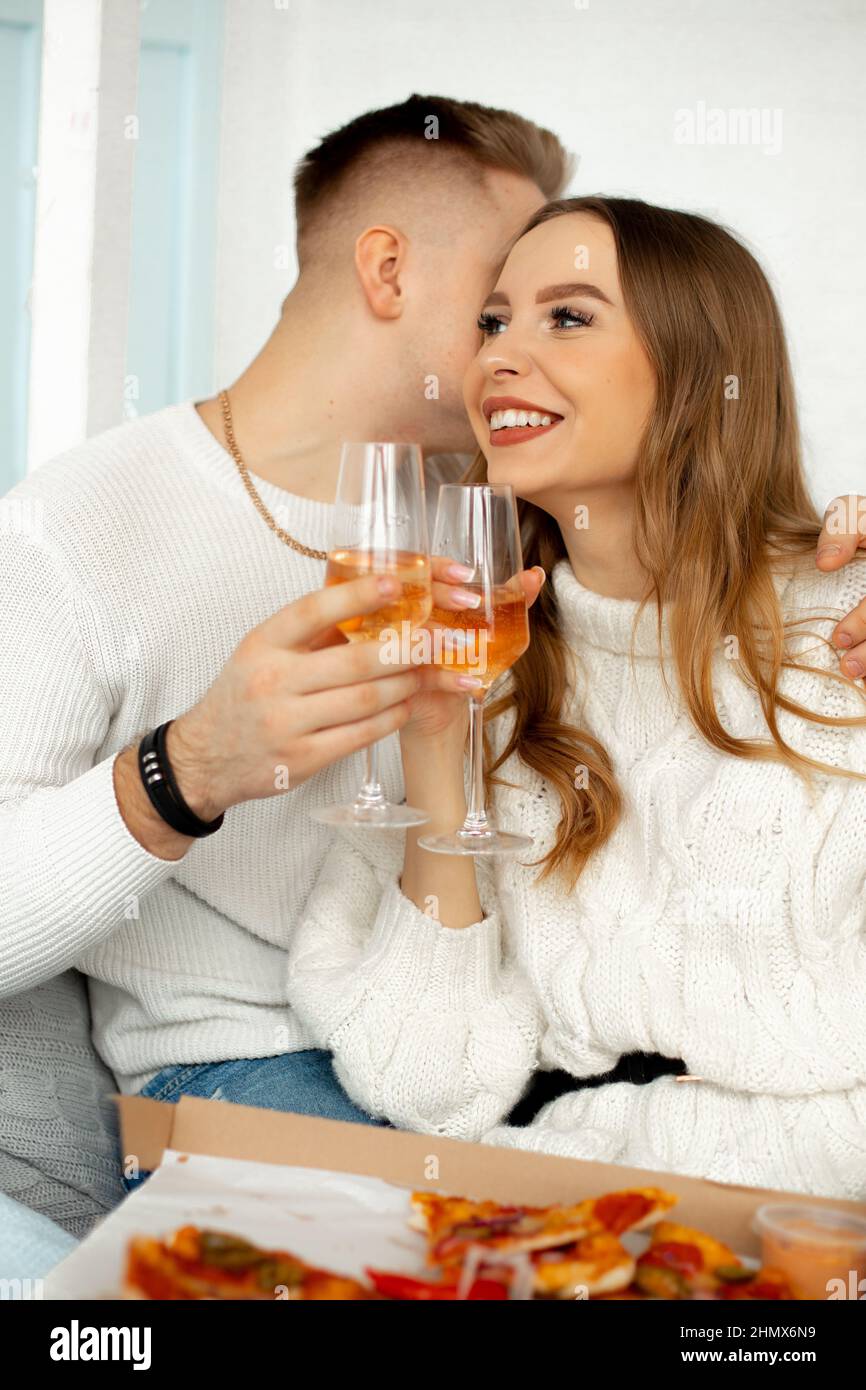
pixel 812 1246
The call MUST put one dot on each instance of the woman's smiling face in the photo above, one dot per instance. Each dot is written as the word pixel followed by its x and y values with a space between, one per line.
pixel 561 390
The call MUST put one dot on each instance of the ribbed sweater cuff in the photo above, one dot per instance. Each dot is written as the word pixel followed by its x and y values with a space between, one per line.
pixel 457 968
pixel 96 864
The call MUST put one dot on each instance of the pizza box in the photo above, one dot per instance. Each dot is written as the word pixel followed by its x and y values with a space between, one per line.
pixel 335 1193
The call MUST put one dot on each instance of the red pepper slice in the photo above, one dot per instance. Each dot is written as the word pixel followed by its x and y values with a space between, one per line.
pixel 401 1286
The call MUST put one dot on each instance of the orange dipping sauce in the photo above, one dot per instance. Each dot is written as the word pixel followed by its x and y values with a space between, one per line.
pixel 813 1246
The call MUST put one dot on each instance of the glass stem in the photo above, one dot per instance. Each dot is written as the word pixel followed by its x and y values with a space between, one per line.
pixel 476 816
pixel 371 793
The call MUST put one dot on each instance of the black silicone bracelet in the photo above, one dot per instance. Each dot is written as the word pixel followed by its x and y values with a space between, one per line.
pixel 161 786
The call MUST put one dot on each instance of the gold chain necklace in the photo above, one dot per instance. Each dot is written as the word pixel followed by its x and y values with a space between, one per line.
pixel 250 487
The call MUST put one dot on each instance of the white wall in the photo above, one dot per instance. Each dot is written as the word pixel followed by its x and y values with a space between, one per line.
pixel 609 78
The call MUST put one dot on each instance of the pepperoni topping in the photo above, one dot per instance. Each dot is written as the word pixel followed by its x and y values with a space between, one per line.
pixel 618 1211
pixel 674 1254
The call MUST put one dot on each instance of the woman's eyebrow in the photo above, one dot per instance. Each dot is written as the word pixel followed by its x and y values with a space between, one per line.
pixel 566 291
pixel 552 292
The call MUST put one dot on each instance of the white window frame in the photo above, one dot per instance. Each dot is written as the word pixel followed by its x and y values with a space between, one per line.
pixel 83 222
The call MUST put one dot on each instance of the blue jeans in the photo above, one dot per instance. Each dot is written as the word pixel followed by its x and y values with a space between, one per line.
pixel 302 1083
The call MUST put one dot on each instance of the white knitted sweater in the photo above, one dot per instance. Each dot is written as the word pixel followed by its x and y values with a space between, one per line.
pixel 724 922
pixel 130 568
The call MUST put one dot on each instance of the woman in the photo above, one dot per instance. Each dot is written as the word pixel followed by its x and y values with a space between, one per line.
pixel 692 768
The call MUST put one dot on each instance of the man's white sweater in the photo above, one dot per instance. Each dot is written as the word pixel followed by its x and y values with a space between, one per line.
pixel 130 568
pixel 724 922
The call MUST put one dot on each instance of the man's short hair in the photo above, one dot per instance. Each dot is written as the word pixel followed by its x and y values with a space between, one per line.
pixel 479 137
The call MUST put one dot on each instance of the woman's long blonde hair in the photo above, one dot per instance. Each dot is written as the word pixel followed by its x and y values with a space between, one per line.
pixel 720 495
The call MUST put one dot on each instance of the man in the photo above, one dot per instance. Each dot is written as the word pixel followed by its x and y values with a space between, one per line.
pixel 150 585
pixel 165 581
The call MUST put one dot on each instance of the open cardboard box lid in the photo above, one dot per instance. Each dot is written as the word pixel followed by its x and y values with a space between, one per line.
pixel 224 1130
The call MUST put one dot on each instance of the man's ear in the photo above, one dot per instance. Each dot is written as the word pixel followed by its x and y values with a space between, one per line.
pixel 380 254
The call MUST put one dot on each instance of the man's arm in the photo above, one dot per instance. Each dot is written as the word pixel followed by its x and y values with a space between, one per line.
pixel 79 840
pixel 69 867
pixel 142 821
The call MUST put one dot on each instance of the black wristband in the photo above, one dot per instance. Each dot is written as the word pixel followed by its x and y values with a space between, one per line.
pixel 161 786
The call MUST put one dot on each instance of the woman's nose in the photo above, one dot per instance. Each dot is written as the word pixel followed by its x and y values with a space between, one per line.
pixel 504 361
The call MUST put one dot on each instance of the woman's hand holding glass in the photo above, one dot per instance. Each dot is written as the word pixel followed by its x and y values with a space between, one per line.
pixel 477 530
pixel 440 705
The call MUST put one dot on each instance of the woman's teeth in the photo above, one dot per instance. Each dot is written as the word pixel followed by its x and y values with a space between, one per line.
pixel 508 419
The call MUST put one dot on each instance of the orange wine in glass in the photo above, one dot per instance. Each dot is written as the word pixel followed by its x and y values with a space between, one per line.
pixel 379 526
pixel 478 527
pixel 411 569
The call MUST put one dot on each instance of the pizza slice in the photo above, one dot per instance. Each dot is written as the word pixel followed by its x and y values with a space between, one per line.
pixel 681 1262
pixel 594 1265
pixel 764 1283
pixel 201 1264
pixel 453 1224
pixel 597 1264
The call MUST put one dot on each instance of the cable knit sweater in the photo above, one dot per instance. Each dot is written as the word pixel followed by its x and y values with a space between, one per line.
pixel 723 922
pixel 130 568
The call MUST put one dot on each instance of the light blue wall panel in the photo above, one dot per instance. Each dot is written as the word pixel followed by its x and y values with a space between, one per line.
pixel 20 47
pixel 170 343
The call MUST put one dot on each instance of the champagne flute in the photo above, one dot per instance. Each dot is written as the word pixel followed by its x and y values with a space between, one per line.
pixel 379 526
pixel 478 527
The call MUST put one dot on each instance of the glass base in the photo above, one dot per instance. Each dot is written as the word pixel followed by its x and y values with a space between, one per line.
pixel 384 816
pixel 476 842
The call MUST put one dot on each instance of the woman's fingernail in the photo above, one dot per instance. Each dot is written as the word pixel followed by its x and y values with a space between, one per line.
pixel 844 639
pixel 464 599
pixel 387 585
pixel 538 570
pixel 462 573
pixel 854 668
pixel 468 682
pixel 828 550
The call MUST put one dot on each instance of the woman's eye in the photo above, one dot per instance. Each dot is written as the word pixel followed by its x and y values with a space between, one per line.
pixel 490 324
pixel 563 317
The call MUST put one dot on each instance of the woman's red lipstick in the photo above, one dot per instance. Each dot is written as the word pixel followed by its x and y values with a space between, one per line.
pixel 516 434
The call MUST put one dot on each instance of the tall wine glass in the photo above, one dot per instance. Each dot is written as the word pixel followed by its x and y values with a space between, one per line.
pixel 379 526
pixel 478 526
